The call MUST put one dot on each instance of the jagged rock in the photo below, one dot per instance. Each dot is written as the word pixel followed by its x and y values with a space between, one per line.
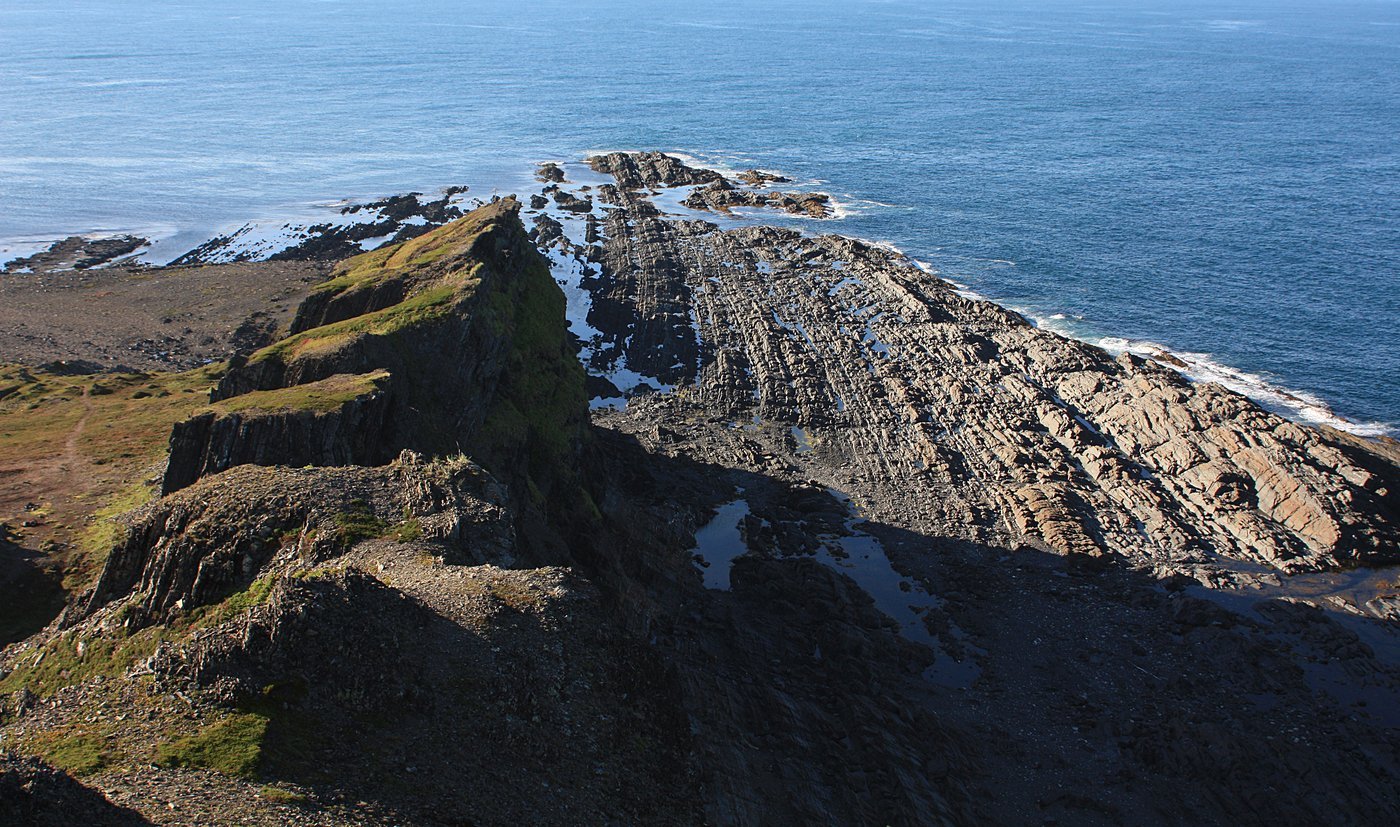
pixel 399 218
pixel 339 420
pixel 759 178
pixel 469 324
pixel 572 203
pixel 547 232
pixel 211 539
pixel 721 196
pixel 923 390
pixel 640 170
pixel 549 172
pixel 967 586
pixel 77 253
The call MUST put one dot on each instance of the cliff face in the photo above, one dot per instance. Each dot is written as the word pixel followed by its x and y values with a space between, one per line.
pixel 452 342
pixel 340 420
pixel 328 575
pixel 198 546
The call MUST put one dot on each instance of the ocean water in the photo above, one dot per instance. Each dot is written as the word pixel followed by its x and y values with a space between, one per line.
pixel 1221 179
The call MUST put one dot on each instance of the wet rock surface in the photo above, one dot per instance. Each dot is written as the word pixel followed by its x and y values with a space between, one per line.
pixel 723 197
pixel 358 227
pixel 77 253
pixel 549 173
pixel 1042 504
pixel 958 417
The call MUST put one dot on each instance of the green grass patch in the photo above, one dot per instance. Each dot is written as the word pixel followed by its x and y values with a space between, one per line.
pixel 67 660
pixel 279 795
pixel 231 745
pixel 358 524
pixel 319 573
pixel 80 751
pixel 121 437
pixel 395 262
pixel 232 606
pixel 329 394
pixel 408 531
pixel 107 528
pixel 433 303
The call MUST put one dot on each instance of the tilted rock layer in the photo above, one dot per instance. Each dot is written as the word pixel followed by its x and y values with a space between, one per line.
pixel 963 417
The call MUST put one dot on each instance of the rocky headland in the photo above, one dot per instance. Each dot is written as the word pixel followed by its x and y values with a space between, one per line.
pixel 606 506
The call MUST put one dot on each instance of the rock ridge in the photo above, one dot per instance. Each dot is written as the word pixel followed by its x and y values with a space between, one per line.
pixel 459 332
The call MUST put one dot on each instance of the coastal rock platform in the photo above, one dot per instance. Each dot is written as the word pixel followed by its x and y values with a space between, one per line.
pixel 615 505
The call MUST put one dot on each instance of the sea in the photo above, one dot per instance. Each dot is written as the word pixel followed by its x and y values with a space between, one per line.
pixel 1216 180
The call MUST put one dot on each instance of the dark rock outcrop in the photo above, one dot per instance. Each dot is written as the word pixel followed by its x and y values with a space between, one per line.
pixel 642 170
pixel 393 220
pixel 469 324
pixel 572 203
pixel 721 196
pixel 965 560
pixel 759 178
pixel 549 173
pixel 958 418
pixel 213 538
pixel 340 420
pixel 77 253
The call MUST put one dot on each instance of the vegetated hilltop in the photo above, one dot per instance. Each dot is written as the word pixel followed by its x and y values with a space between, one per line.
pixel 837 545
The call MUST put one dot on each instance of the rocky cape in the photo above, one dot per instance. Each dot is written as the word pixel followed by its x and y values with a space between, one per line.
pixel 834 544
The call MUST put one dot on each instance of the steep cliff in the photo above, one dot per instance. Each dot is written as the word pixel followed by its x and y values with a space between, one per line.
pixel 453 342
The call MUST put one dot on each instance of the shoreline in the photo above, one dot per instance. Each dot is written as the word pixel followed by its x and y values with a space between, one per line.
pixel 1296 405
pixel 168 243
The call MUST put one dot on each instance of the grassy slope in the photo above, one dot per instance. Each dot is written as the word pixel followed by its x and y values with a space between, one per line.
pixel 79 450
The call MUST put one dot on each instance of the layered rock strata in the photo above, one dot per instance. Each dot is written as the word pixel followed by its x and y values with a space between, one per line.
pixel 957 417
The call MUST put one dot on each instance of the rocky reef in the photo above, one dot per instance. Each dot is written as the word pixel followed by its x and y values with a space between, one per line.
pixel 835 544
pixel 957 417
pixel 388 221
pixel 77 253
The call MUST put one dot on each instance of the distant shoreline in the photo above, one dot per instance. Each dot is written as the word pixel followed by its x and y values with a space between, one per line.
pixel 264 238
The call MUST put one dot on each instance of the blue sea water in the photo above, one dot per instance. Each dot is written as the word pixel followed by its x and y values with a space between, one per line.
pixel 1222 178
